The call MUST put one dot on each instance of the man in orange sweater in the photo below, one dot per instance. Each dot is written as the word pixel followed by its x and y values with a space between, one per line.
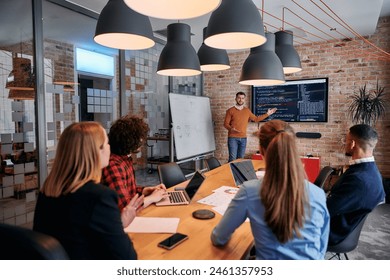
pixel 236 122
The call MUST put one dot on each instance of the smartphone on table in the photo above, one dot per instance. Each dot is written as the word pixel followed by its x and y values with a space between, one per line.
pixel 173 240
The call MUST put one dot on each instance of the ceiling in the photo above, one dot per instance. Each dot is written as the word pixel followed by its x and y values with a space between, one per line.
pixel 361 15
pixel 308 20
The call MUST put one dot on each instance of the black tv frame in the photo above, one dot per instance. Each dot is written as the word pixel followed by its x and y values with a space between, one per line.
pixel 273 90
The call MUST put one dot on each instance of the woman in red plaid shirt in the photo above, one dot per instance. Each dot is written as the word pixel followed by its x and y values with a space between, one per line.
pixel 126 137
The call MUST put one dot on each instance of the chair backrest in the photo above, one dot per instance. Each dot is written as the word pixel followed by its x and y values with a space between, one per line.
pixel 351 241
pixel 19 243
pixel 212 163
pixel 170 174
pixel 323 176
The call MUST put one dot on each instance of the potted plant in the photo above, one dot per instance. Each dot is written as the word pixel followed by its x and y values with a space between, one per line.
pixel 367 106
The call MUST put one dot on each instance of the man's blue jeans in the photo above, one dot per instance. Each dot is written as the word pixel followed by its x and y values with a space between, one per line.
pixel 236 148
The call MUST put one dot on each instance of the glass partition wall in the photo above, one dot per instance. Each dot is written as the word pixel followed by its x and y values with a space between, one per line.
pixel 71 93
pixel 147 96
pixel 77 87
pixel 18 170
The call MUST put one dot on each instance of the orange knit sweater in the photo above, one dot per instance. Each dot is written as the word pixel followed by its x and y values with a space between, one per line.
pixel 238 119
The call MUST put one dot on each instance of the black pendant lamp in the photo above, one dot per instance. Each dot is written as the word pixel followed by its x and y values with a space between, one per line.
pixel 212 59
pixel 178 57
pixel 173 9
pixel 236 24
pixel 285 50
pixel 263 66
pixel 120 27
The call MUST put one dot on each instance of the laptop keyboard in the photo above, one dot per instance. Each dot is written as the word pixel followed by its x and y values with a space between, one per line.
pixel 176 197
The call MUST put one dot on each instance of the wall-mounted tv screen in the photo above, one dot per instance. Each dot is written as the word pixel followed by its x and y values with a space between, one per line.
pixel 296 100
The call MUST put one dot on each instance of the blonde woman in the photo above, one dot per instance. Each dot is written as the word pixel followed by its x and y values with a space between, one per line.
pixel 288 215
pixel 74 208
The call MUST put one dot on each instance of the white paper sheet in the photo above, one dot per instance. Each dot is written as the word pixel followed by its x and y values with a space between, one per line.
pixel 220 197
pixel 226 189
pixel 260 174
pixel 153 225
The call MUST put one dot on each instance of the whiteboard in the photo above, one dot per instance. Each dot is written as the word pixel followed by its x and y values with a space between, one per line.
pixel 193 130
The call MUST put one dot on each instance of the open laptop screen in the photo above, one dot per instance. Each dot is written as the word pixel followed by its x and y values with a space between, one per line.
pixel 194 184
pixel 243 171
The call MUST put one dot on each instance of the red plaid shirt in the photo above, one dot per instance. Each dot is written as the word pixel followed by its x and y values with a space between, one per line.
pixel 119 176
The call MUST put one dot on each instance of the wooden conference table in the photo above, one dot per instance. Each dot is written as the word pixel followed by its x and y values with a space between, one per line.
pixel 198 246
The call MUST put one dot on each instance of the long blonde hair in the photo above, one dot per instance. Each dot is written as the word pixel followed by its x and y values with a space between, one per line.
pixel 77 159
pixel 282 191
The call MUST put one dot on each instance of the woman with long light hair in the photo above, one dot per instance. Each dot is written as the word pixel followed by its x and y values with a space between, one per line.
pixel 288 214
pixel 74 208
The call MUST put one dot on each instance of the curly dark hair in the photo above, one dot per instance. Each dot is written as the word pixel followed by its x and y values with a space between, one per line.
pixel 127 134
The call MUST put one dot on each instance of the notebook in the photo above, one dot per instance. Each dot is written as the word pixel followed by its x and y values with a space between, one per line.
pixel 184 196
pixel 242 171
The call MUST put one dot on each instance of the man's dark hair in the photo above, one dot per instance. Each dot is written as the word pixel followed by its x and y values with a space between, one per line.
pixel 240 93
pixel 127 135
pixel 364 135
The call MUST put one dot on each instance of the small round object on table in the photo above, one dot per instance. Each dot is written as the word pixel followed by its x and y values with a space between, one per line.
pixel 203 214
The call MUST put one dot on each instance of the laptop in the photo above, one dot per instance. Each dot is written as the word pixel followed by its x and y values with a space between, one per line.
pixel 183 197
pixel 242 171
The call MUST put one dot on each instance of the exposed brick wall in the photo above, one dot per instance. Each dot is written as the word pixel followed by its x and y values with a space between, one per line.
pixel 347 70
pixel 61 54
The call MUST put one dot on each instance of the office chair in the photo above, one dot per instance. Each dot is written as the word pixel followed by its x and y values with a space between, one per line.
pixel 212 163
pixel 19 243
pixel 170 174
pixel 323 176
pixel 349 243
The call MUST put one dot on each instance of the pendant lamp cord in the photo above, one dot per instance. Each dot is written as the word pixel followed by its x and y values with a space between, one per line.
pixel 262 9
pixel 262 15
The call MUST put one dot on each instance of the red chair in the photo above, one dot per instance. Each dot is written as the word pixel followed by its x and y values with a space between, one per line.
pixel 257 157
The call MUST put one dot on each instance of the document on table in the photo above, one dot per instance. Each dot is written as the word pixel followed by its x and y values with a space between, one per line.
pixel 220 199
pixel 220 196
pixel 153 225
pixel 260 174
